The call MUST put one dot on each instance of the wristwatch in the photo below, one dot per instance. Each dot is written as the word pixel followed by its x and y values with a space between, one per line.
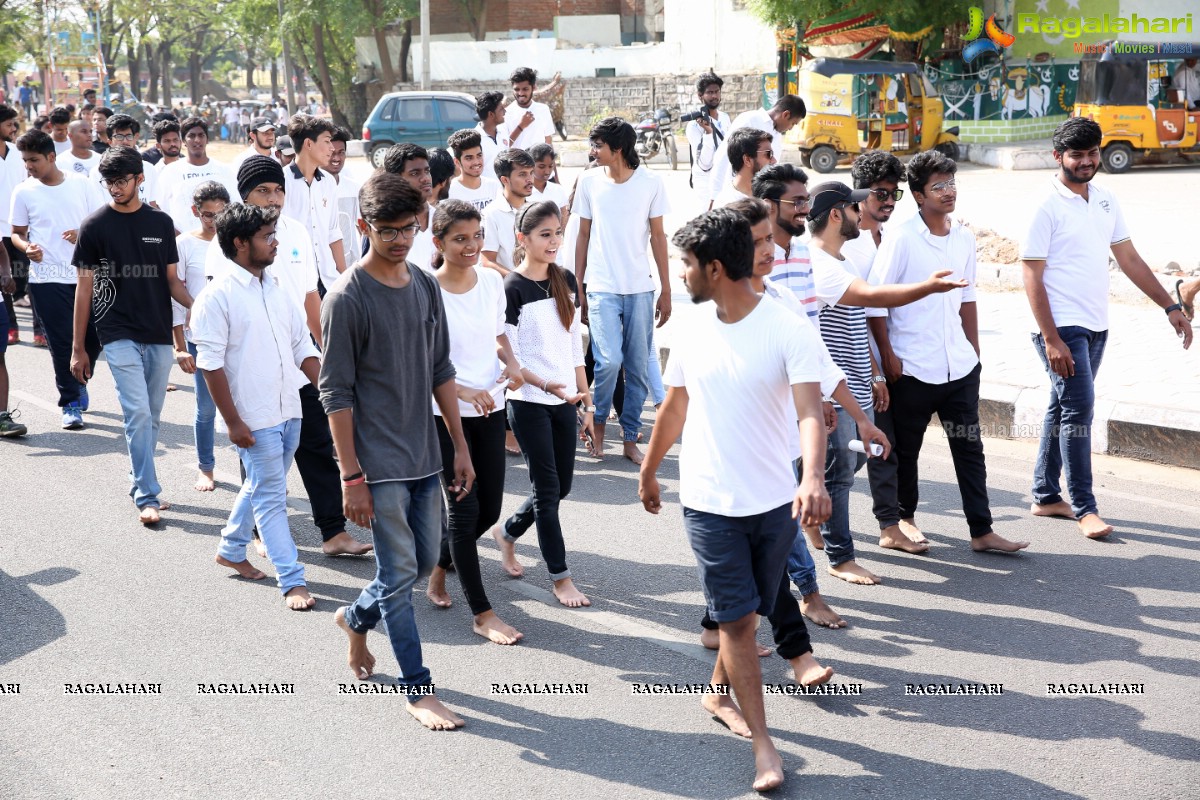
pixel 878 379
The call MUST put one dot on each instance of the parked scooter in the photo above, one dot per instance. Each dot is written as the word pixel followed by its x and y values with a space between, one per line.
pixel 655 134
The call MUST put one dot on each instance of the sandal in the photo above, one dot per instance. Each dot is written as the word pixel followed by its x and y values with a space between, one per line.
pixel 1188 311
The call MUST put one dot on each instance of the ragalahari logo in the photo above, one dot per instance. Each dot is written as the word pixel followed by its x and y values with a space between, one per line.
pixel 996 39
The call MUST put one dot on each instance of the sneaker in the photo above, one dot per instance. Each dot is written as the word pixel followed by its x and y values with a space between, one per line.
pixel 14 337
pixel 84 400
pixel 72 417
pixel 39 340
pixel 9 428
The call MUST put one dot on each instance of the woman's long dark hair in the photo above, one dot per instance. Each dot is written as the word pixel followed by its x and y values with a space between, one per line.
pixel 449 212
pixel 528 219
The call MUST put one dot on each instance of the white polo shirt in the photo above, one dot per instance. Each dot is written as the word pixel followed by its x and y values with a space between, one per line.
pixel 315 206
pixel 294 265
pixel 1073 236
pixel 927 335
pixel 499 230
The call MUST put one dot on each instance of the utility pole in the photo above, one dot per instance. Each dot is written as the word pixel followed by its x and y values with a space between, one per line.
pixel 424 45
pixel 289 74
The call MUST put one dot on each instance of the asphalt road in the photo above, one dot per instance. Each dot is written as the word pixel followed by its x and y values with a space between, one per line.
pixel 87 595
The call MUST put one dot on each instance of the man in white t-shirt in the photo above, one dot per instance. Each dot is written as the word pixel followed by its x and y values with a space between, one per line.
pixel 232 116
pixel 530 122
pixel 748 151
pixel 470 185
pixel 81 159
pixel 1065 256
pixel 493 136
pixel 261 133
pixel 46 211
pixel 60 119
pixel 620 208
pixel 347 198
pixel 178 181
pixel 515 168
pixel 312 193
pixel 930 351
pixel 736 481
pixel 705 134
pixel 787 112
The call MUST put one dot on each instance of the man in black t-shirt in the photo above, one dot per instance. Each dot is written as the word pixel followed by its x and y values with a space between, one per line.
pixel 126 258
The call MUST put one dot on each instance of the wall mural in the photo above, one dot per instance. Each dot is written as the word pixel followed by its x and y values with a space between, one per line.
pixel 1007 92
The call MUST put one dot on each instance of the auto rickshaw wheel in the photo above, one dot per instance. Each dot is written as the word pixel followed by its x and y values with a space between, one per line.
pixel 823 158
pixel 949 150
pixel 1117 158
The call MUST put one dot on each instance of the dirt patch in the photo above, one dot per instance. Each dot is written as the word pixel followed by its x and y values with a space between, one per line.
pixel 994 248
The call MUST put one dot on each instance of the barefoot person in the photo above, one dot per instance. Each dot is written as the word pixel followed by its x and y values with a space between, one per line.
pixel 737 486
pixel 620 209
pixel 933 366
pixel 252 343
pixel 208 201
pixel 127 263
pixel 543 327
pixel 1065 256
pixel 475 312
pixel 384 431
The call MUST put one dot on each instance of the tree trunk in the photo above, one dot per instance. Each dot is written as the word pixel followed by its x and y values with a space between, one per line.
pixel 325 77
pixel 388 72
pixel 164 51
pixel 194 75
pixel 250 69
pixel 133 57
pixel 405 46
pixel 274 78
pixel 152 68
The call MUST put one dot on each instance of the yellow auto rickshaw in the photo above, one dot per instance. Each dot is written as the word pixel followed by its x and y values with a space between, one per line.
pixel 1127 89
pixel 868 105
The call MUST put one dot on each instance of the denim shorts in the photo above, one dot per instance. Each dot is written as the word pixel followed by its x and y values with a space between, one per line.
pixel 741 560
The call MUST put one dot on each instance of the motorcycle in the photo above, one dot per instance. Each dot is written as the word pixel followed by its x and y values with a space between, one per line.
pixel 655 134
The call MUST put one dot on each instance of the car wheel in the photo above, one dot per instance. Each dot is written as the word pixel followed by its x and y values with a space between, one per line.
pixel 377 153
pixel 823 158
pixel 1117 158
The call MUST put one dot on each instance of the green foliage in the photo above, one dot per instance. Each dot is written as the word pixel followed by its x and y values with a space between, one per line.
pixel 900 15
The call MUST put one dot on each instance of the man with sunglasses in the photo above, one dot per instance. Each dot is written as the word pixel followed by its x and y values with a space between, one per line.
pixel 930 348
pixel 748 151
pixel 126 259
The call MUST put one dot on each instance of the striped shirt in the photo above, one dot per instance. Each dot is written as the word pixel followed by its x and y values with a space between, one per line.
pixel 843 328
pixel 793 269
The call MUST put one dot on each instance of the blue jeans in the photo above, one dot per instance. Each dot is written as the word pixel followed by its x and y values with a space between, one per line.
pixel 202 427
pixel 658 394
pixel 622 326
pixel 1067 427
pixel 841 464
pixel 140 372
pixel 800 566
pixel 407 529
pixel 264 495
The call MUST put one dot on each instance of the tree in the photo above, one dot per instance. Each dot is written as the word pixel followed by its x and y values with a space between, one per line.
pixel 474 13
pixel 904 16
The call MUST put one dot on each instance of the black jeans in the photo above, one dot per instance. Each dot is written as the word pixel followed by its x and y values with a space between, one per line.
pixel 547 435
pixel 881 472
pixel 57 304
pixel 318 468
pixel 957 405
pixel 476 513
pixel 787 623
pixel 19 264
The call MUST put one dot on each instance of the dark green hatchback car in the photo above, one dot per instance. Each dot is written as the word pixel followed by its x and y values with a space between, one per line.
pixel 424 118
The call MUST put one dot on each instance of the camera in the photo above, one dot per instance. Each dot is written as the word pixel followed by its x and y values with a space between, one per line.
pixel 693 115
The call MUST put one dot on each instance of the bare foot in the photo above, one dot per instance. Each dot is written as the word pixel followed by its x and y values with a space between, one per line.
pixel 632 452
pixel 149 516
pixel 163 505
pixel 818 611
pixel 298 599
pixel 768 768
pixel 851 572
pixel 508 554
pixel 815 539
pixel 993 541
pixel 1060 509
pixel 436 591
pixel 892 539
pixel 344 544
pixel 260 548
pixel 711 640
pixel 808 672
pixel 568 595
pixel 204 481
pixel 726 712
pixel 494 629
pixel 433 715
pixel 1093 527
pixel 908 527
pixel 510 444
pixel 243 568
pixel 172 387
pixel 362 663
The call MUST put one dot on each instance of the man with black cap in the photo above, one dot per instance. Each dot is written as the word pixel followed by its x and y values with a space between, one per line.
pixel 261 183
pixel 262 141
pixel 832 221
pixel 285 151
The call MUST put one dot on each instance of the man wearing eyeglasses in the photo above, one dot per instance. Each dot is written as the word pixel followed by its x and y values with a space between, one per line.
pixel 930 348
pixel 748 151
pixel 127 259
pixel 123 131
